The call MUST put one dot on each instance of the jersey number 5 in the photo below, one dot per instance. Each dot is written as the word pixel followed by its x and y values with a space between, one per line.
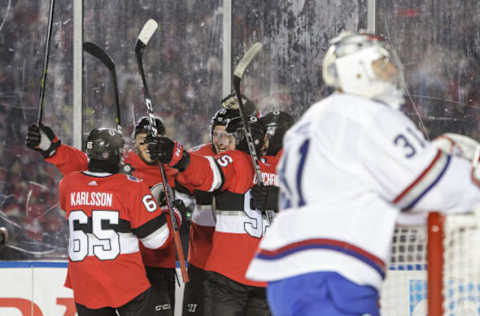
pixel 254 225
pixel 224 160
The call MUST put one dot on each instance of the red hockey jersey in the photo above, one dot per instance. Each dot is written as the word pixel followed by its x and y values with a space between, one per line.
pixel 238 227
pixel 107 216
pixel 68 159
pixel 150 174
pixel 203 221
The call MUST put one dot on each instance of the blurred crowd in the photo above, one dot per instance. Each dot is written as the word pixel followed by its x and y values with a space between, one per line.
pixel 184 79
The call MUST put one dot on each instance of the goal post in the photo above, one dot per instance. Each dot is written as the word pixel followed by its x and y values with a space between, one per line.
pixel 435 268
pixel 435 262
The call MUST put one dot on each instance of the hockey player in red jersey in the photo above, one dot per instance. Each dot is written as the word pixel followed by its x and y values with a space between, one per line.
pixel 203 219
pixel 108 214
pixel 276 123
pixel 160 264
pixel 238 227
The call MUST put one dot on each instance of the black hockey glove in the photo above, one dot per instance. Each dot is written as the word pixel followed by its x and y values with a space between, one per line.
pixel 264 197
pixel 42 139
pixel 183 209
pixel 3 237
pixel 163 149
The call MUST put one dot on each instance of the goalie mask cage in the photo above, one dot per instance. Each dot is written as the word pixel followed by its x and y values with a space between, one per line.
pixel 434 268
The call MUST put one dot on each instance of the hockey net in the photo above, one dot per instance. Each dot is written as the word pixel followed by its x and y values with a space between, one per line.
pixel 434 268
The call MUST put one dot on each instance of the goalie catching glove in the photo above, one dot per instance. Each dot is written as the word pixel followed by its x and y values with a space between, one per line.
pixel 163 149
pixel 42 139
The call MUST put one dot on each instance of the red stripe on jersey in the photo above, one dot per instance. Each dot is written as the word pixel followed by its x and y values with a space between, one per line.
pixel 422 175
pixel 325 243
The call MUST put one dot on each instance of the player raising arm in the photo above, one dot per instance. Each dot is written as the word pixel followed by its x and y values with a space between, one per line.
pixel 202 226
pixel 160 263
pixel 108 214
pixel 351 164
pixel 238 225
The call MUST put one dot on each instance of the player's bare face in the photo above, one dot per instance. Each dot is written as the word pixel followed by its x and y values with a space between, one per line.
pixel 222 141
pixel 141 147
pixel 385 69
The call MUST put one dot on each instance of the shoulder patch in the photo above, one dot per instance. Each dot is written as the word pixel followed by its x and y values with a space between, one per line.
pixel 196 148
pixel 132 178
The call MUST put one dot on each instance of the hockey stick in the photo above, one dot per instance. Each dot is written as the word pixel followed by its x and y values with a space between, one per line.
pixel 237 78
pixel 46 57
pixel 100 54
pixel 142 41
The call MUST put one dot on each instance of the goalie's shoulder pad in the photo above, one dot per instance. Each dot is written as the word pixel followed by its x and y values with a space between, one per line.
pixel 457 145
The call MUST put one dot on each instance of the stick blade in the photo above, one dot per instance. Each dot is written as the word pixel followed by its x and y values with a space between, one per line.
pixel 247 59
pixel 99 53
pixel 147 32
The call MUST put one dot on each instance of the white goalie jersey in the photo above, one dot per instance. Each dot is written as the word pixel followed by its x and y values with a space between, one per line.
pixel 349 167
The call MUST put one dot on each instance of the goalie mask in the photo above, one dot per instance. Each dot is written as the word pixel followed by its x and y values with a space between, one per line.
pixel 361 64
pixel 106 145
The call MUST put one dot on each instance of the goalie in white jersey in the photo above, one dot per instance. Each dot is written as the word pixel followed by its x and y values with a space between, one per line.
pixel 351 164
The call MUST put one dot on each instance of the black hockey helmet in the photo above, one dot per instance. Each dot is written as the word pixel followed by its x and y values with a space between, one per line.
pixel 229 111
pixel 221 117
pixel 235 127
pixel 143 126
pixel 276 124
pixel 105 144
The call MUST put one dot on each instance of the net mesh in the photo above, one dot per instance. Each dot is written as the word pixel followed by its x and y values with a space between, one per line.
pixel 404 291
pixel 461 283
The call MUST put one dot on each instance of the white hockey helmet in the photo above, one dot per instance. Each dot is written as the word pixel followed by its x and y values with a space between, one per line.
pixel 361 64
